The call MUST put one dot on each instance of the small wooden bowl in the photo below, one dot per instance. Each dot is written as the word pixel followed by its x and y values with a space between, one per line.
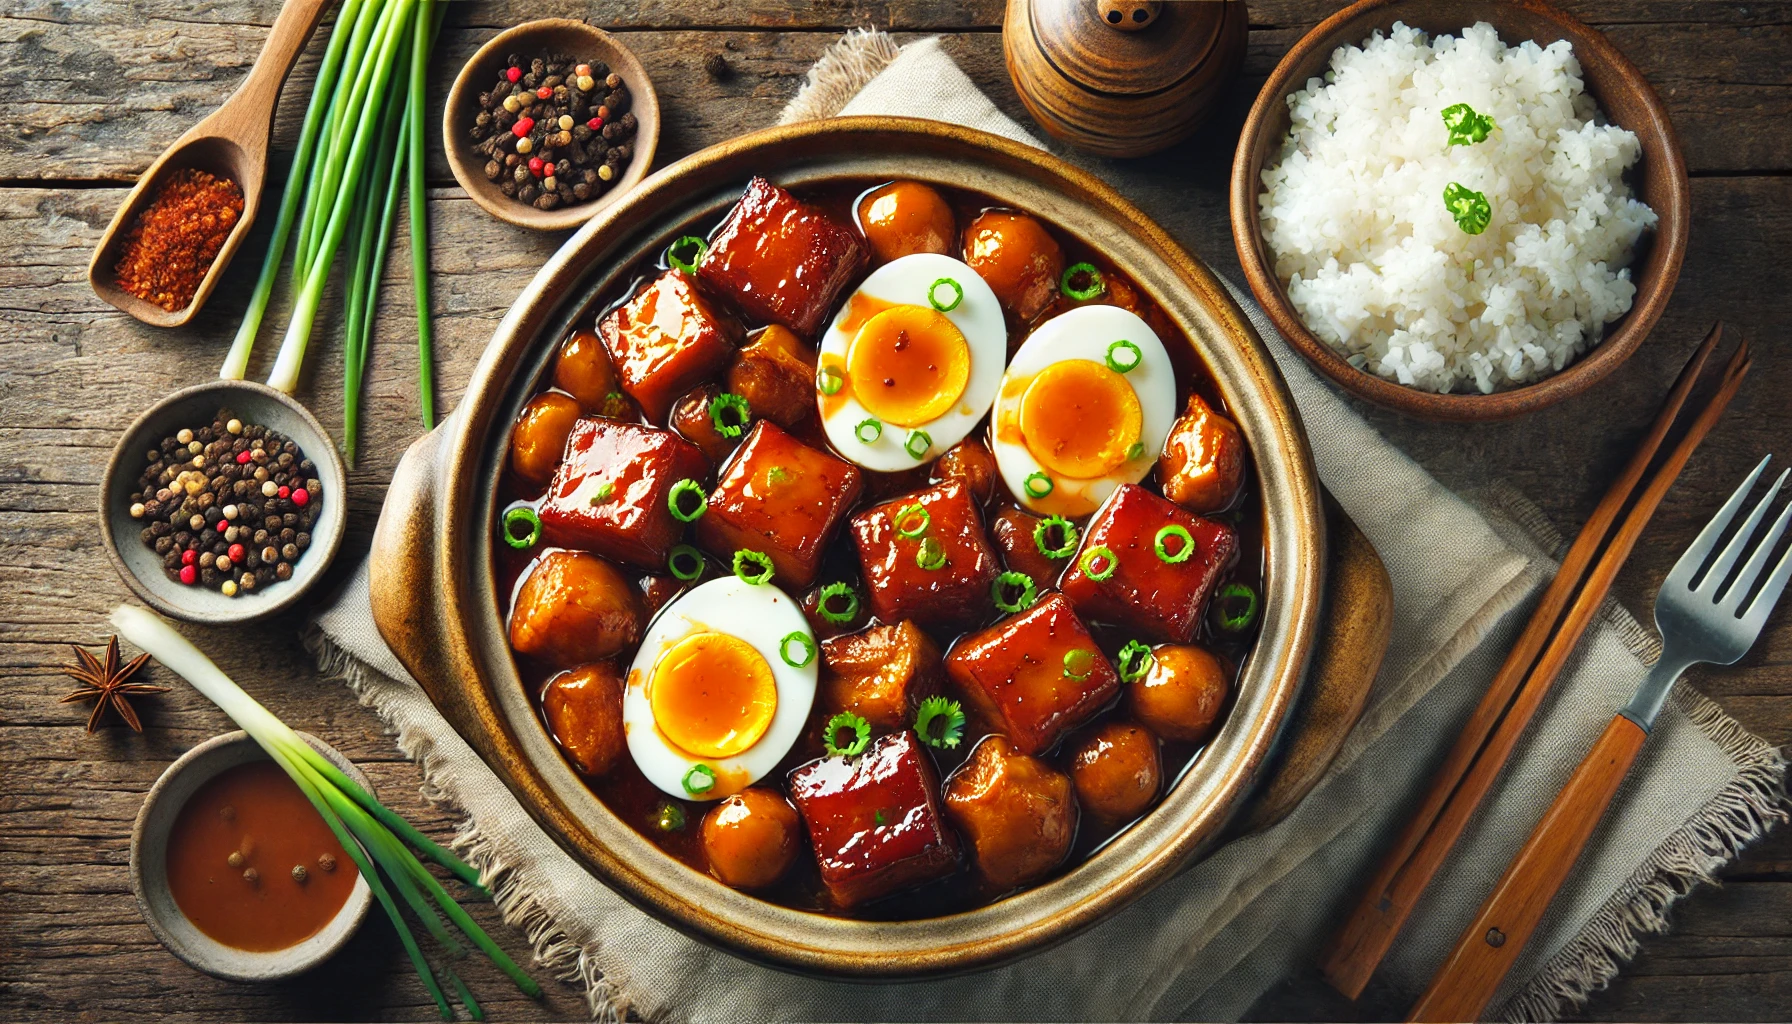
pixel 1623 94
pixel 535 38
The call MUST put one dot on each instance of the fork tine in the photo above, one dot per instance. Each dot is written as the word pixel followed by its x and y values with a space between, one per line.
pixel 1739 544
pixel 1757 559
pixel 1763 603
pixel 1695 556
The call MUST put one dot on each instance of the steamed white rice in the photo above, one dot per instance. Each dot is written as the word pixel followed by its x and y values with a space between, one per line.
pixel 1372 259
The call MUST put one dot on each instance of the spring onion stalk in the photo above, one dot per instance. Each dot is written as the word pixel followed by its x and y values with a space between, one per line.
pixel 421 40
pixel 362 33
pixel 372 238
pixel 345 109
pixel 383 846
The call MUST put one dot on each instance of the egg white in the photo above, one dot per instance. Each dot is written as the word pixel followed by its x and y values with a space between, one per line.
pixel 1085 333
pixel 978 317
pixel 761 616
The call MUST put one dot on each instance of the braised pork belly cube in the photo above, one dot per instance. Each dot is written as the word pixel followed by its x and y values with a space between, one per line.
pixel 1017 812
pixel 881 674
pixel 609 495
pixel 934 566
pixel 573 608
pixel 665 341
pixel 1161 597
pixel 780 260
pixel 781 498
pixel 1032 677
pixel 874 820
pixel 1202 468
pixel 775 373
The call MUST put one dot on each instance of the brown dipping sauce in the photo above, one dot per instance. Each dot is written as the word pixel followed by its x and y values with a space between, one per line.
pixel 254 810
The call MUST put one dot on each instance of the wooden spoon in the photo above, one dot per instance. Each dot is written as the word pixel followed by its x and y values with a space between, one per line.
pixel 231 143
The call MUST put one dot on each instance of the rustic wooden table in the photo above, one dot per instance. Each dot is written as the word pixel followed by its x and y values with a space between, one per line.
pixel 94 89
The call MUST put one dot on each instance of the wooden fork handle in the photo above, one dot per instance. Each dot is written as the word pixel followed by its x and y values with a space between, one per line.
pixel 1488 948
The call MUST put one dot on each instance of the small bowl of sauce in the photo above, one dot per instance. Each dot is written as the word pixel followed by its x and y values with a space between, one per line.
pixel 234 870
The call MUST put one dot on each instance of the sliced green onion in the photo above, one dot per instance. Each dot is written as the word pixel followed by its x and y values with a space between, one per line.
pixel 1038 485
pixel 676 253
pixel 776 475
pixel 1465 126
pixel 933 298
pixel 605 491
pixel 917 444
pixel 833 592
pixel 861 735
pixel 868 430
pixel 1468 208
pixel 1136 451
pixel 729 413
pixel 1078 663
pixel 1235 607
pixel 829 381
pixel 699 780
pixel 691 559
pixel 804 645
pixel 1020 581
pixel 1042 537
pixel 930 555
pixel 675 501
pixel 912 522
pixel 1162 544
pixel 522 515
pixel 1100 553
pixel 1092 287
pixel 949 714
pixel 1134 661
pixel 1124 357
pixel 753 567
pixel 668 817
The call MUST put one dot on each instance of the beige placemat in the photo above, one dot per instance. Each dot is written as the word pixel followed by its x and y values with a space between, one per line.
pixel 1208 943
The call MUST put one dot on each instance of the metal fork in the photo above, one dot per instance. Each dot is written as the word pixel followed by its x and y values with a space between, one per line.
pixel 1706 623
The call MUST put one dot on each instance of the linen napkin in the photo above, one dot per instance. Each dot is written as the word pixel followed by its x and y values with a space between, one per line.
pixel 1208 943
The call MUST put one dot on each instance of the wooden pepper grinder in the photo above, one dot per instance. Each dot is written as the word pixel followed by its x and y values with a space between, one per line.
pixel 1122 77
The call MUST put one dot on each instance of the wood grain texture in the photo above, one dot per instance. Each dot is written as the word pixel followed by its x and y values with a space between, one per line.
pixel 94 89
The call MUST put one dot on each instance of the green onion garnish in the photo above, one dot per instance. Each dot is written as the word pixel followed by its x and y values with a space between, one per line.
pixel 729 413
pixel 753 567
pixel 1465 126
pixel 1134 661
pixel 832 593
pixel 1101 553
pixel 917 444
pixel 676 253
pixel 933 298
pixel 668 817
pixel 675 501
pixel 930 555
pixel 699 780
pixel 829 381
pixel 522 515
pixel 685 562
pixel 1038 485
pixel 1136 451
pixel 603 493
pixel 1020 581
pixel 1235 607
pixel 805 647
pixel 1124 357
pixel 948 714
pixel 1042 537
pixel 776 475
pixel 912 522
pixel 868 430
pixel 1093 285
pixel 1468 207
pixel 1183 551
pixel 1078 663
pixel 861 735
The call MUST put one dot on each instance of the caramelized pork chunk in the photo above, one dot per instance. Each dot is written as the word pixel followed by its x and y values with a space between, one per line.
pixel 1182 694
pixel 1202 468
pixel 666 340
pixel 1159 596
pixel 610 495
pixel 1018 257
pixel 874 820
pixel 539 437
pixel 751 838
pixel 1018 813
pixel 1117 772
pixel 1032 677
pixel 881 674
pixel 933 565
pixel 583 708
pixel 574 608
pixel 780 260
pixel 781 498
pixel 775 373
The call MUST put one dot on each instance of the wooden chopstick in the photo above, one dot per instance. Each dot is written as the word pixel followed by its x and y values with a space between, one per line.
pixel 1408 866
pixel 1472 973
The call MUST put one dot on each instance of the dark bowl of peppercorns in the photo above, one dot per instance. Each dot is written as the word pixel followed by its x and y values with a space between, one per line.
pixel 223 503
pixel 549 122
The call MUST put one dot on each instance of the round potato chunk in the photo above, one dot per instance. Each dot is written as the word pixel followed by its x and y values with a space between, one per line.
pixel 583 370
pixel 539 438
pixel 583 708
pixel 575 608
pixel 1180 698
pixel 970 463
pixel 751 838
pixel 904 218
pixel 1117 772
pixel 1203 465
pixel 1018 257
pixel 1018 812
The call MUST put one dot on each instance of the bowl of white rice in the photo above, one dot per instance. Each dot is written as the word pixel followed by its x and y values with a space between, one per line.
pixel 1465 211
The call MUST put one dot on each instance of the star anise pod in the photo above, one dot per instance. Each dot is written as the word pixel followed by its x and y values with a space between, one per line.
pixel 108 685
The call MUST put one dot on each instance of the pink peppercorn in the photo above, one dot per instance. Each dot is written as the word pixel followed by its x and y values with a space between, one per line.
pixel 514 74
pixel 522 127
pixel 189 574
pixel 595 124
pixel 536 166
pixel 544 93
pixel 236 553
pixel 285 492
pixel 301 497
pixel 189 557
pixel 242 458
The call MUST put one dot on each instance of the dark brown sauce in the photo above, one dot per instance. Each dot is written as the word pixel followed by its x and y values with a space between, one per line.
pixel 628 793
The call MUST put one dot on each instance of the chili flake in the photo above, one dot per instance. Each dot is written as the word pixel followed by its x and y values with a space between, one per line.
pixel 174 240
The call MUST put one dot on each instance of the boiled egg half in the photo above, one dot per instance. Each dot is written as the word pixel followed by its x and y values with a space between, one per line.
pixel 1084 407
pixel 720 689
pixel 911 362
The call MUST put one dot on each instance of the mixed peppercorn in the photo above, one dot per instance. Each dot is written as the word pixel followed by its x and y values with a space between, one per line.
pixel 229 505
pixel 555 131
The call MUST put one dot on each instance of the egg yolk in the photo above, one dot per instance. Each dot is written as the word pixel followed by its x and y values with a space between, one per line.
pixel 1079 418
pixel 712 695
pixel 908 364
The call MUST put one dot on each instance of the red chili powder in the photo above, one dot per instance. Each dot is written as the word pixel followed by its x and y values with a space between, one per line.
pixel 174 240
